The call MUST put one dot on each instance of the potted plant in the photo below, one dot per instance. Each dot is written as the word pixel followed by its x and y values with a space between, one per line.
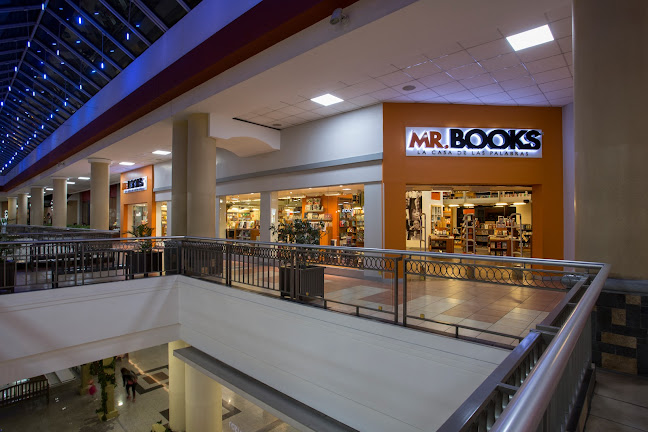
pixel 299 278
pixel 7 264
pixel 144 259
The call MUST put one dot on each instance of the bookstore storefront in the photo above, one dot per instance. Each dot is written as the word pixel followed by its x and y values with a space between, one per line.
pixel 337 210
pixel 137 202
pixel 475 179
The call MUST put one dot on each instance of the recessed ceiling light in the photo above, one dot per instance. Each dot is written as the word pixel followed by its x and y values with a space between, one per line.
pixel 453 205
pixel 519 203
pixel 49 189
pixel 127 163
pixel 327 99
pixel 71 182
pixel 501 204
pixel 161 152
pixel 83 178
pixel 530 38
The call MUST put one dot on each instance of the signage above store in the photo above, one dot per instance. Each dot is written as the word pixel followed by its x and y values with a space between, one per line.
pixel 135 185
pixel 473 142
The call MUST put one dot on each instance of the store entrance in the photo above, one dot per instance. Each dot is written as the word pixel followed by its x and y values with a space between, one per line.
pixel 484 220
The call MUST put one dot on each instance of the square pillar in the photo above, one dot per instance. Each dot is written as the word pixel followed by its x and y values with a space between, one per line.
pixel 269 215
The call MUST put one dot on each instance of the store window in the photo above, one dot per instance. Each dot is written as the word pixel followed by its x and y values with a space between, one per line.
pixel 484 220
pixel 339 208
pixel 243 216
pixel 138 214
pixel 162 225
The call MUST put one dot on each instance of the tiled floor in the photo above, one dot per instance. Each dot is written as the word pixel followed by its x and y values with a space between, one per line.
pixel 506 309
pixel 620 403
pixel 69 412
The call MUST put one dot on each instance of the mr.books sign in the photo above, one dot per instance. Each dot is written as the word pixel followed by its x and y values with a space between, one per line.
pixel 473 142
pixel 135 185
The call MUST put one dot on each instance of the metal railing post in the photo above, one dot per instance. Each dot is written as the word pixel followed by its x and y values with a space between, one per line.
pixel 395 263
pixel 405 261
pixel 228 264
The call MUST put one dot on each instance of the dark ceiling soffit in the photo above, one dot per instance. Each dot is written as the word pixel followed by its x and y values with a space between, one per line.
pixel 266 24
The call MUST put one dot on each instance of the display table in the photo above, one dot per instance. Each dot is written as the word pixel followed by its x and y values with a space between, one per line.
pixel 503 245
pixel 441 243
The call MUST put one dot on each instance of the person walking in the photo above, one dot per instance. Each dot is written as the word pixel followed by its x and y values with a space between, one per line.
pixel 130 381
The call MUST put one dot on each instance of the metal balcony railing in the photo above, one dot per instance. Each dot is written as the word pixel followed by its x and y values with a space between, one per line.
pixel 535 388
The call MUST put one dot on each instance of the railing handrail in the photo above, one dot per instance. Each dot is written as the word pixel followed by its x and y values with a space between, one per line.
pixel 62 229
pixel 472 257
pixel 525 411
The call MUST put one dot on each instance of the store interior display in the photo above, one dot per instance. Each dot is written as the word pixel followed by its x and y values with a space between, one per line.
pixel 243 218
pixel 439 213
pixel 337 210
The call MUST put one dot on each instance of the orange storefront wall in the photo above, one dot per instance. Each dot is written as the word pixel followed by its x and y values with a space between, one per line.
pixel 141 197
pixel 543 174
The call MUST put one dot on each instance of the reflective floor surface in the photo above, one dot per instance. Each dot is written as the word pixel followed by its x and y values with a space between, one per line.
pixel 70 412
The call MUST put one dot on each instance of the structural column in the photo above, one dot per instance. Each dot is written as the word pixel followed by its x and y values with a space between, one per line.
pixel 610 146
pixel 204 410
pixel 176 388
pixel 179 178
pixel 37 206
pixel 21 216
pixel 269 212
pixel 201 183
pixel 221 216
pixel 12 202
pixel 99 193
pixel 60 202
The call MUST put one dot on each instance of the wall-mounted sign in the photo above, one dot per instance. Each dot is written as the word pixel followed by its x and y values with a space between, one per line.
pixel 473 142
pixel 135 185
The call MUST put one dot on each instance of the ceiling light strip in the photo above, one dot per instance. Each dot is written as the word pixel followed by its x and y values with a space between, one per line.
pixel 151 15
pixel 125 22
pixel 69 66
pixel 84 40
pixel 69 108
pixel 52 83
pixel 75 53
pixel 101 29
pixel 22 57
pixel 62 75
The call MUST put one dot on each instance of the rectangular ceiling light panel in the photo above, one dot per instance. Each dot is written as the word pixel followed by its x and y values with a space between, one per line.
pixel 530 38
pixel 327 99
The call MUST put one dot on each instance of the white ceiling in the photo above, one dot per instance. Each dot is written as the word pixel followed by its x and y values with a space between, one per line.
pixel 452 52
pixel 477 67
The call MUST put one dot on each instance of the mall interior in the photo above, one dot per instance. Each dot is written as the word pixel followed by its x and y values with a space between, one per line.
pixel 472 172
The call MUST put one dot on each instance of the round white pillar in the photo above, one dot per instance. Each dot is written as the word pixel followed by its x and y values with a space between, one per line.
pixel 12 203
pixel 21 216
pixel 179 178
pixel 37 205
pixel 201 184
pixel 204 409
pixel 176 388
pixel 59 220
pixel 99 193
